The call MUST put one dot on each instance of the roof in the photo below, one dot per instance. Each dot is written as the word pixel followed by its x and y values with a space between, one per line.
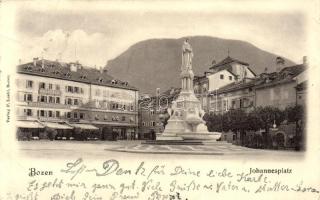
pixel 60 70
pixel 228 70
pixel 236 86
pixel 226 64
pixel 200 79
pixel 228 60
pixel 286 75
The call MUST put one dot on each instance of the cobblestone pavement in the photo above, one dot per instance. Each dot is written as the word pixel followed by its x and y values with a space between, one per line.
pixel 137 150
pixel 210 149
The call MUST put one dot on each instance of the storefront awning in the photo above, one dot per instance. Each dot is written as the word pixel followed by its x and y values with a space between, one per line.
pixel 85 126
pixel 57 125
pixel 28 124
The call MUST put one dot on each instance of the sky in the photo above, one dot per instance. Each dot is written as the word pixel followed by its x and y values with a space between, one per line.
pixel 94 33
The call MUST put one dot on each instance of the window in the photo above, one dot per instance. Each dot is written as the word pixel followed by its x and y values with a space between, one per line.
pixel 233 104
pixel 153 123
pixel 28 112
pixel 143 124
pixel 42 113
pixel 68 115
pixel 131 107
pixel 50 114
pixel 76 102
pixel 51 99
pixel 221 76
pixel 76 90
pixel 29 84
pixel 42 85
pixel 75 115
pixel 96 117
pixel 123 118
pixel 81 90
pixel 28 97
pixel 57 114
pixel 57 99
pixel 234 137
pixel 69 101
pixel 70 89
pixel 151 112
pixel 57 87
pixel 50 86
pixel 81 115
pixel 230 78
pixel 43 99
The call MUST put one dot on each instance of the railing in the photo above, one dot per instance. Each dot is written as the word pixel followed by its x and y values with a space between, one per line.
pixel 48 105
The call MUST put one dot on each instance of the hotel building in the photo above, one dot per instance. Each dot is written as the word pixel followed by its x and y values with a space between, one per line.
pixel 67 100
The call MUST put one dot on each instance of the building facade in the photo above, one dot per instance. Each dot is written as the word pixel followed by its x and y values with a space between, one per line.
pixel 237 95
pixel 279 89
pixel 68 100
pixel 227 71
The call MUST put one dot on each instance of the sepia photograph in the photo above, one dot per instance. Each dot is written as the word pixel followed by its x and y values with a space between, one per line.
pixel 169 100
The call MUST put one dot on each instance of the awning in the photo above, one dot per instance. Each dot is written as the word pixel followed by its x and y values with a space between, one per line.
pixel 85 126
pixel 28 124
pixel 57 125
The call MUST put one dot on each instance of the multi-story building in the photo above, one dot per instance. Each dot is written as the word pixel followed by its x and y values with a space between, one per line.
pixel 237 95
pixel 227 71
pixel 279 89
pixel 68 98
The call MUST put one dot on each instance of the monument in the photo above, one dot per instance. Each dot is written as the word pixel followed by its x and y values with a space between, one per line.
pixel 185 122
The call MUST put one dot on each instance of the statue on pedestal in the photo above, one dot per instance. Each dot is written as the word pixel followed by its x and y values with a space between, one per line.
pixel 187 56
pixel 186 115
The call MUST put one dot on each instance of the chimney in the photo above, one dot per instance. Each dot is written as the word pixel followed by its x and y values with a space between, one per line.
pixel 35 62
pixel 101 70
pixel 42 63
pixel 73 67
pixel 279 63
pixel 305 60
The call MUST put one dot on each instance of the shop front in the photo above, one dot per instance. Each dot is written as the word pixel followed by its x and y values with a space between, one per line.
pixel 28 130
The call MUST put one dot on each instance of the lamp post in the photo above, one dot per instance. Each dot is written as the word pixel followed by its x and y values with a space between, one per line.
pixel 217 99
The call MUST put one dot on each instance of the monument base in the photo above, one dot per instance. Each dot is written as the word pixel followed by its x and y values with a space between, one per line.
pixel 189 138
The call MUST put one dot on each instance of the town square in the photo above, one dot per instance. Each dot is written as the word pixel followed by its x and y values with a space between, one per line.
pixel 159 100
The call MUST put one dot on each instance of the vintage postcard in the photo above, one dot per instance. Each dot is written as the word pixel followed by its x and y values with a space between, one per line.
pixel 159 100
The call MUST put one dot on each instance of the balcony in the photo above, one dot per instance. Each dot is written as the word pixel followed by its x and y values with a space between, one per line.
pixel 48 105
pixel 50 92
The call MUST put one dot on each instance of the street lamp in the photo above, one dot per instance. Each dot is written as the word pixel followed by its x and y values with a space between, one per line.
pixel 217 99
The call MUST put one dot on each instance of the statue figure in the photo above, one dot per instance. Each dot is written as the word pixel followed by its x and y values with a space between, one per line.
pixel 187 55
pixel 172 110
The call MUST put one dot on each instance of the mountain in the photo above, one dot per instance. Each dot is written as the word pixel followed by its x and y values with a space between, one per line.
pixel 155 63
